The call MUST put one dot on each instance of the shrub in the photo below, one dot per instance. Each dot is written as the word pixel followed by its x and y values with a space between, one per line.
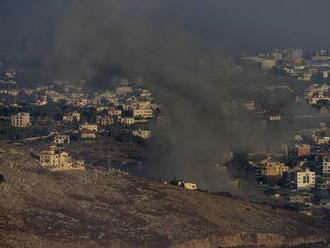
pixel 2 178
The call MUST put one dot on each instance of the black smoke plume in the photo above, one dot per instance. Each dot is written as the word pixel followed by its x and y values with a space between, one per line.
pixel 184 51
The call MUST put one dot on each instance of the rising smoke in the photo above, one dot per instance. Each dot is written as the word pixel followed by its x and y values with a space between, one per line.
pixel 183 51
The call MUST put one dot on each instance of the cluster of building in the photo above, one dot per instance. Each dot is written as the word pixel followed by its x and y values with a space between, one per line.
pixel 304 65
pixel 291 176
pixel 63 112
pixel 127 105
pixel 298 174
pixel 318 94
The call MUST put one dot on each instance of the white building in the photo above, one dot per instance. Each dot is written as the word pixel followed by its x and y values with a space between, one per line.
pixel 305 179
pixel 57 159
pixel 21 120
pixel 71 117
pixel 322 140
pixel 60 139
pixel 104 120
pixel 275 118
pixel 144 134
pixel 121 90
pixel 190 186
pixel 127 121
pixel 115 112
pixel 143 105
pixel 144 113
pixel 326 166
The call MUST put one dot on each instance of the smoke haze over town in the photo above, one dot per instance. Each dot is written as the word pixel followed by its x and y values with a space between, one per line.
pixel 184 52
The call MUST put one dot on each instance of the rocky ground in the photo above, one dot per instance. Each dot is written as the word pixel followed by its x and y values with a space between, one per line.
pixel 100 208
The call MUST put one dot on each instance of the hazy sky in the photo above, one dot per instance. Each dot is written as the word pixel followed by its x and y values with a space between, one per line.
pixel 247 24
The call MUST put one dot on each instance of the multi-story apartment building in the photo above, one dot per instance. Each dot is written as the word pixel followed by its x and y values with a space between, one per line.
pixel 144 113
pixel 21 120
pixel 71 117
pixel 55 158
pixel 305 179
pixel 60 139
pixel 121 90
pixel 115 112
pixel 90 127
pixel 272 169
pixel 303 150
pixel 326 166
pixel 127 121
pixel 105 120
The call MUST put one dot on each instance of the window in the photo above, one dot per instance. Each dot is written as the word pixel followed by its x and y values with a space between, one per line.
pixel 306 179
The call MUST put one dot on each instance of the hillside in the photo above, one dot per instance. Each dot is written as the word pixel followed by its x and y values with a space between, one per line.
pixel 110 209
